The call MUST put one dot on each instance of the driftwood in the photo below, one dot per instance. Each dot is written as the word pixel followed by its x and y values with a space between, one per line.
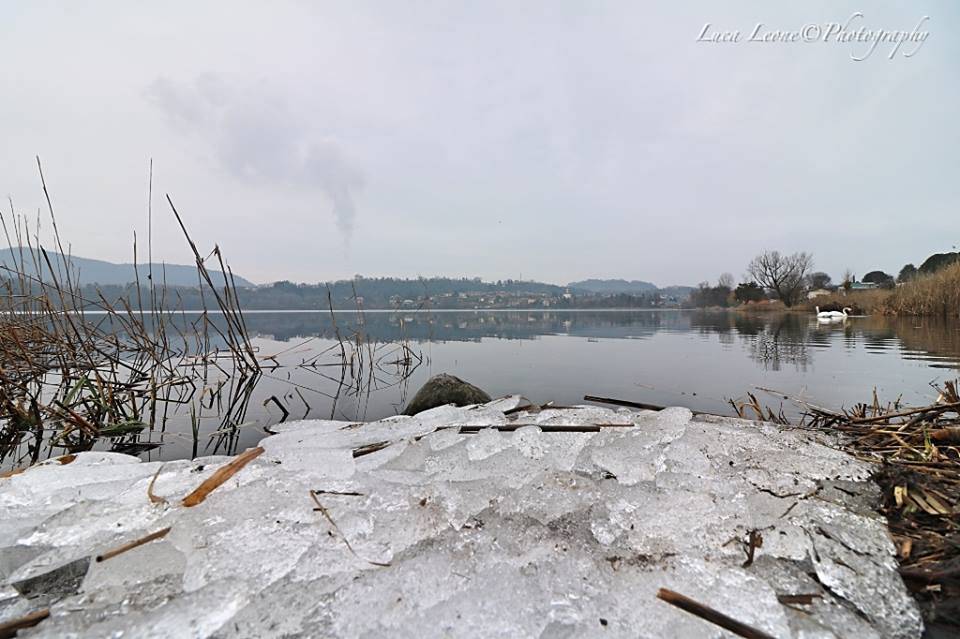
pixel 547 428
pixel 621 402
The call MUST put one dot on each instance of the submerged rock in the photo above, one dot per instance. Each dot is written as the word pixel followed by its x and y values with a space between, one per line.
pixel 444 389
pixel 538 525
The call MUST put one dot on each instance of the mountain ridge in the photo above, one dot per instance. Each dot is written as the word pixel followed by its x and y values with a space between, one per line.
pixel 614 286
pixel 104 273
pixel 93 271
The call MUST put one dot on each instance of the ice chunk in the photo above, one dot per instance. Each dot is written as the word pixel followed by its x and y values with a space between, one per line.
pixel 508 403
pixel 430 532
pixel 315 425
pixel 149 562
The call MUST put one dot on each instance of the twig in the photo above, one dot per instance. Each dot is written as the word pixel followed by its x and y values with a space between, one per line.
pixel 9 628
pixel 326 514
pixel 133 544
pixel 942 408
pixel 709 614
pixel 755 541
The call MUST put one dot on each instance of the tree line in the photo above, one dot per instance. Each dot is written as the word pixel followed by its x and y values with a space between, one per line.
pixel 359 292
pixel 788 278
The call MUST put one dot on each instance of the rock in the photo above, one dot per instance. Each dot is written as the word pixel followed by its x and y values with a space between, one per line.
pixel 444 389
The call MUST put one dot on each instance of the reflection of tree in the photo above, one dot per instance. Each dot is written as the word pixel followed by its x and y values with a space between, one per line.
pixel 772 339
pixel 467 326
pixel 747 324
pixel 783 340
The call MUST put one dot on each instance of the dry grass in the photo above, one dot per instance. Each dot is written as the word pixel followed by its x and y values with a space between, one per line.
pixel 862 302
pixel 76 369
pixel 936 294
pixel 222 474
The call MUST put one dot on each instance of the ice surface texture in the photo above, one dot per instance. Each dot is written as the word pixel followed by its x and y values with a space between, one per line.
pixel 420 530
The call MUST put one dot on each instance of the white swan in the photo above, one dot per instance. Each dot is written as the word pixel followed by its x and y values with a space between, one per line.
pixel 833 314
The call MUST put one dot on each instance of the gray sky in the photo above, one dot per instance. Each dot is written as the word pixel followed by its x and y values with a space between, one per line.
pixel 553 140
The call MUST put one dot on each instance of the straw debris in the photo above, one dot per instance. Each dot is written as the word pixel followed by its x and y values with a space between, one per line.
pixel 221 475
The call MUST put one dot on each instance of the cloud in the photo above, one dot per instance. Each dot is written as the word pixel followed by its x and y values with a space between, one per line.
pixel 256 136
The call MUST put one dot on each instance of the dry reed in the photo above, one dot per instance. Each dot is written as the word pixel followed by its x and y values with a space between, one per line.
pixel 934 294
pixel 77 368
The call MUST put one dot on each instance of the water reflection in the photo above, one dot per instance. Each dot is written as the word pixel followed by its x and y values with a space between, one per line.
pixel 772 340
pixel 463 326
pixel 695 359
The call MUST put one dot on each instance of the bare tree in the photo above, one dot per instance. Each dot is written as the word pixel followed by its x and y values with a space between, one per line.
pixel 848 279
pixel 782 274
pixel 726 281
pixel 818 280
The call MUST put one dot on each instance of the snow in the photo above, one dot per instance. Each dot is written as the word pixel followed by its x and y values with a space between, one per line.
pixel 516 532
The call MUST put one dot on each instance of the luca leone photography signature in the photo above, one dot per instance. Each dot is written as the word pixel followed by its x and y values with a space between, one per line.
pixel 853 32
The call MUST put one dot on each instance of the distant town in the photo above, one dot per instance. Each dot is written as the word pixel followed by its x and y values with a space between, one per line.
pixel 772 280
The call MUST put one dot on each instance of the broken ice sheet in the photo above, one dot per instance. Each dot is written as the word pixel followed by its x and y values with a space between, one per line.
pixel 55 583
pixel 521 533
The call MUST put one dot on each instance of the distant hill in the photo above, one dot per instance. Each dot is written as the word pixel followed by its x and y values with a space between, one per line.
pixel 109 274
pixel 614 287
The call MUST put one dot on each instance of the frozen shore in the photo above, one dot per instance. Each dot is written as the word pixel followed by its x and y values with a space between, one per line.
pixel 556 523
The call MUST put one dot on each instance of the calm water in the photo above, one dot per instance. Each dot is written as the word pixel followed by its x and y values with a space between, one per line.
pixel 688 358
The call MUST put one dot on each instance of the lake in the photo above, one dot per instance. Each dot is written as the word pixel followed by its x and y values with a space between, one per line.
pixel 696 359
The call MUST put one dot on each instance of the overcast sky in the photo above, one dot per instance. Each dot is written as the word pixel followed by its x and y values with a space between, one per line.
pixel 553 141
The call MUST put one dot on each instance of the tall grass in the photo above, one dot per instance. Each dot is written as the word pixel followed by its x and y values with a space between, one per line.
pixel 937 294
pixel 76 368
pixel 861 302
